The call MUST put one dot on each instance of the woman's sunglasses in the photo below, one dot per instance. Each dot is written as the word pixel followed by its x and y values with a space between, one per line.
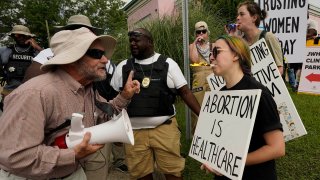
pixel 95 53
pixel 204 31
pixel 215 51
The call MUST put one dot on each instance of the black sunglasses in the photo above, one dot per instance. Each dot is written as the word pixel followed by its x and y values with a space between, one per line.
pixel 95 53
pixel 204 31
pixel 215 52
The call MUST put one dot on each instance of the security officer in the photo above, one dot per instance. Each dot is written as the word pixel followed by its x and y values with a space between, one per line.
pixel 16 58
pixel 152 111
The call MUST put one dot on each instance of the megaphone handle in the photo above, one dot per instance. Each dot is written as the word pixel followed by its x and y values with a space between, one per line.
pixel 76 122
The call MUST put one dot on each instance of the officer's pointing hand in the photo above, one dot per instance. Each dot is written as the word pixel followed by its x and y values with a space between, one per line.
pixel 131 87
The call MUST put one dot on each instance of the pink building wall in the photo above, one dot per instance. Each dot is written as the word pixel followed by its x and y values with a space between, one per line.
pixel 143 10
pixel 166 7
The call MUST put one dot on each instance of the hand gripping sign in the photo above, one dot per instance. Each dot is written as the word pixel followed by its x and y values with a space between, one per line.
pixel 222 136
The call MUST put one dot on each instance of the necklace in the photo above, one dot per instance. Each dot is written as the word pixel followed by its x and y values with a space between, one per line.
pixel 146 80
pixel 22 51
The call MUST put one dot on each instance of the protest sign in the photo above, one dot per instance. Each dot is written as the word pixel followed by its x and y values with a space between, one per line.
pixel 266 72
pixel 310 74
pixel 287 19
pixel 215 82
pixel 222 136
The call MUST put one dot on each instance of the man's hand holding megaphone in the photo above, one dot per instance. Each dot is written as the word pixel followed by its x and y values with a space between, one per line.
pixel 131 87
pixel 84 148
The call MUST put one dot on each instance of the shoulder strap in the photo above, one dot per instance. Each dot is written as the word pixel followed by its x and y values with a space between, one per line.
pixel 162 58
pixel 113 68
pixel 263 34
pixel 160 62
pixel 66 123
pixel 129 65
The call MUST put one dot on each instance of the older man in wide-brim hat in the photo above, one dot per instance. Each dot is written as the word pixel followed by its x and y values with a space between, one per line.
pixel 74 22
pixel 34 113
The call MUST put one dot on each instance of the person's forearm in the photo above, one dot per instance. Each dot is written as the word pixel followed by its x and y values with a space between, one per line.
pixel 38 48
pixel 194 56
pixel 263 154
pixel 189 99
pixel 41 162
pixel 274 148
pixel 119 102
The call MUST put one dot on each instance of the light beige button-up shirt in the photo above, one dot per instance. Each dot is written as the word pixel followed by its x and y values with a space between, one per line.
pixel 32 110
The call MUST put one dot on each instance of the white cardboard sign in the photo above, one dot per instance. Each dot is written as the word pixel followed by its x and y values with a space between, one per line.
pixel 265 71
pixel 310 74
pixel 288 21
pixel 223 133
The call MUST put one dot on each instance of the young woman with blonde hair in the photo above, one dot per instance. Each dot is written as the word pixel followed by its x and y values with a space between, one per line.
pixel 230 59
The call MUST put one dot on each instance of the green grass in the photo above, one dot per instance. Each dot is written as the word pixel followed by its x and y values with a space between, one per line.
pixel 302 160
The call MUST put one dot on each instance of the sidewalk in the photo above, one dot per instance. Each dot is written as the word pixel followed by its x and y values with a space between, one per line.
pixel 117 175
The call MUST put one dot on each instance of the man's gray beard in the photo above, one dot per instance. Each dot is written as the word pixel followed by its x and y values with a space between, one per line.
pixel 100 78
pixel 89 74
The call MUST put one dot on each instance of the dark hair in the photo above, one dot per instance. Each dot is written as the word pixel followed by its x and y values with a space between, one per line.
pixel 240 47
pixel 145 32
pixel 254 9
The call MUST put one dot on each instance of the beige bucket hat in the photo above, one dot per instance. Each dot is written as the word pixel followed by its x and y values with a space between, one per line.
pixel 20 29
pixel 69 46
pixel 79 20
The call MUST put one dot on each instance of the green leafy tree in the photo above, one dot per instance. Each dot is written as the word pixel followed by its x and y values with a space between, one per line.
pixel 9 13
pixel 105 14
pixel 35 14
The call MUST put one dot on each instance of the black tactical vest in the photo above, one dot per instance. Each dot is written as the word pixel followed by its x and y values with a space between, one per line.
pixel 155 100
pixel 18 63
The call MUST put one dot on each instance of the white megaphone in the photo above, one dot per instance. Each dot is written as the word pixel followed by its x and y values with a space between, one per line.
pixel 118 129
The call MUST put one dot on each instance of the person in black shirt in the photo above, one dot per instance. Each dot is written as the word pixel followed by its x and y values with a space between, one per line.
pixel 231 59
